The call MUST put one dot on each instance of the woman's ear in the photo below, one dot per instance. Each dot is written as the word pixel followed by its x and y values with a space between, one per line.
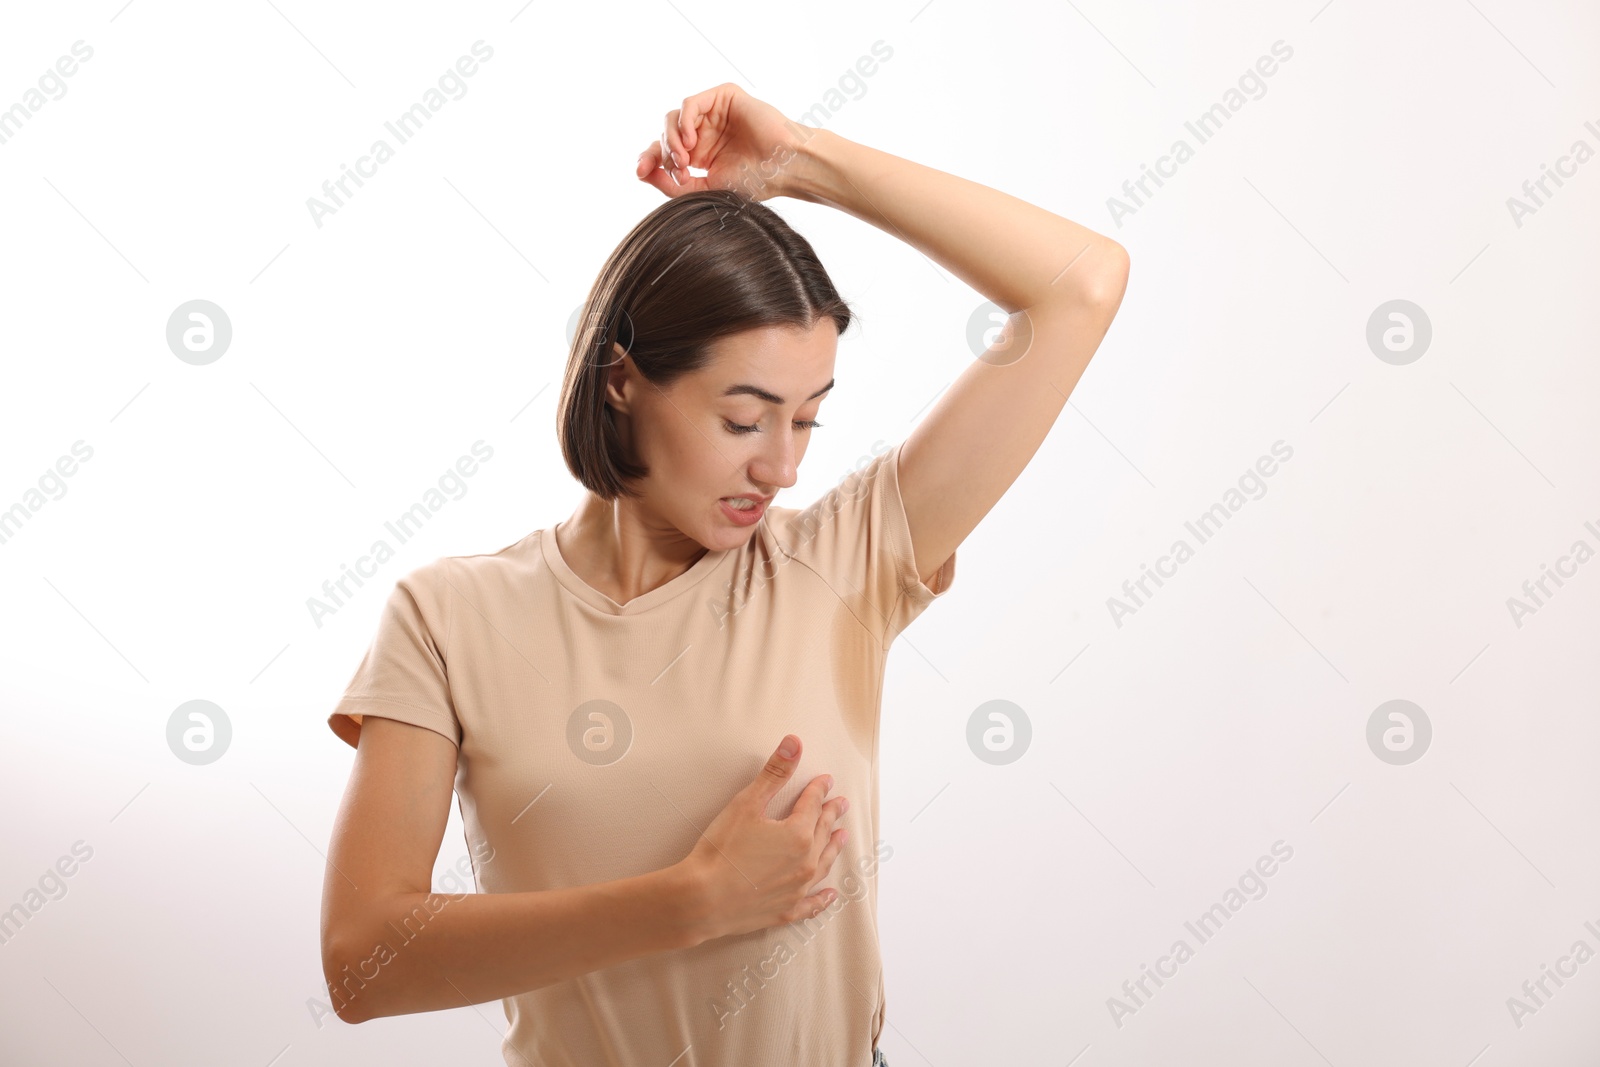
pixel 618 374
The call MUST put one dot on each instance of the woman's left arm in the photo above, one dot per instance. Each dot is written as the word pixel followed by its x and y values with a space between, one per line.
pixel 1060 282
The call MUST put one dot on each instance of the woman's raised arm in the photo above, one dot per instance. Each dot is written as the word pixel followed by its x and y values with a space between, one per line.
pixel 1060 282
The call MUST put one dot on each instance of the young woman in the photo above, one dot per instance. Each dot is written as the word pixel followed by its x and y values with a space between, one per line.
pixel 665 874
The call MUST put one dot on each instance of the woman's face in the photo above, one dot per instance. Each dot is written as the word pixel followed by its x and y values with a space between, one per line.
pixel 738 427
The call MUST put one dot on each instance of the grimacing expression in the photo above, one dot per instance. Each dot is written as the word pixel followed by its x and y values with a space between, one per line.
pixel 737 427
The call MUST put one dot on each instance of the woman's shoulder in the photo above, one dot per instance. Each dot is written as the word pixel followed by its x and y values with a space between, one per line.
pixel 494 565
pixel 506 553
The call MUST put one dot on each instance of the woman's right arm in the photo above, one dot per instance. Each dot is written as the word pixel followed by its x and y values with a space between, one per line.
pixel 391 946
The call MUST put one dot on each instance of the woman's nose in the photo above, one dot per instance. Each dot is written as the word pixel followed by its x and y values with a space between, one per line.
pixel 777 466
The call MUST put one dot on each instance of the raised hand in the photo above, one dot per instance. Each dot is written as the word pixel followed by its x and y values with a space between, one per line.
pixel 740 142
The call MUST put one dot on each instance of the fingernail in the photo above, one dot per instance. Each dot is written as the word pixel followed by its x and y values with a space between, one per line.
pixel 845 806
pixel 787 749
pixel 675 162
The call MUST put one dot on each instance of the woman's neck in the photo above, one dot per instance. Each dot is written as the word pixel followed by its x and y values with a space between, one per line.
pixel 620 552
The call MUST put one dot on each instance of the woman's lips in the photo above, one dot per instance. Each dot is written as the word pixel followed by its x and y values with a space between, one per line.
pixel 747 516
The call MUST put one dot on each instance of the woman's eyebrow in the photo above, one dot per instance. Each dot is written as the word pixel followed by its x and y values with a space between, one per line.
pixel 771 398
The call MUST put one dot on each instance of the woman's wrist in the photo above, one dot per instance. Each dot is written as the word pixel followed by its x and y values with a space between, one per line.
pixel 690 905
pixel 812 173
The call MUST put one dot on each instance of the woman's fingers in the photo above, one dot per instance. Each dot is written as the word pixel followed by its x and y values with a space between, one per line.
pixel 812 906
pixel 689 117
pixel 677 155
pixel 650 157
pixel 827 827
pixel 699 126
pixel 649 170
pixel 688 120
pixel 822 898
pixel 824 869
pixel 703 122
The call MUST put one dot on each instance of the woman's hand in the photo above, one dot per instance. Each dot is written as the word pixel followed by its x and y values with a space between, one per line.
pixel 740 142
pixel 751 872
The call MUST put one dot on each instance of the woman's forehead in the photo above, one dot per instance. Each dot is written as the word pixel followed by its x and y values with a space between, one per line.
pixel 774 365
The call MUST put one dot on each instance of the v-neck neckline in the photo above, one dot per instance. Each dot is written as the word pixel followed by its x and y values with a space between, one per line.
pixel 639 604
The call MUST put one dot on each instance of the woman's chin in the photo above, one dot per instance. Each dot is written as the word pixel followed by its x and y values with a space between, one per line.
pixel 724 534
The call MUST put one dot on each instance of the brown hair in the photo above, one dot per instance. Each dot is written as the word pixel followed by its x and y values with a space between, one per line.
pixel 699 267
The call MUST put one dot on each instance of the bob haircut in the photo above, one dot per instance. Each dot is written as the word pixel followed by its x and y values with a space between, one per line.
pixel 699 267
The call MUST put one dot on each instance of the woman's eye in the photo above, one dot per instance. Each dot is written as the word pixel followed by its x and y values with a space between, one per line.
pixel 806 424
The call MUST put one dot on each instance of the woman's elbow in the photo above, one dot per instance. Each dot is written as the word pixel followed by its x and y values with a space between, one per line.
pixel 1110 277
pixel 349 992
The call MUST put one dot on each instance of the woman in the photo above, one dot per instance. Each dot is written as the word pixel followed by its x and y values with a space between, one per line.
pixel 666 875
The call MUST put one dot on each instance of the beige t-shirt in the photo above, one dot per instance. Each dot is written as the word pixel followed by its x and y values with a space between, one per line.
pixel 594 739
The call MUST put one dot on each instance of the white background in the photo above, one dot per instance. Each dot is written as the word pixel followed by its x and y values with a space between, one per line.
pixel 1228 713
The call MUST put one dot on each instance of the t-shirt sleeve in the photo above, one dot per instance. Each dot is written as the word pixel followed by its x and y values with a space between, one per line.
pixel 402 674
pixel 857 539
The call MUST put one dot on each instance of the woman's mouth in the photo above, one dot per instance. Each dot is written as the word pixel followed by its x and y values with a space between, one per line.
pixel 744 510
